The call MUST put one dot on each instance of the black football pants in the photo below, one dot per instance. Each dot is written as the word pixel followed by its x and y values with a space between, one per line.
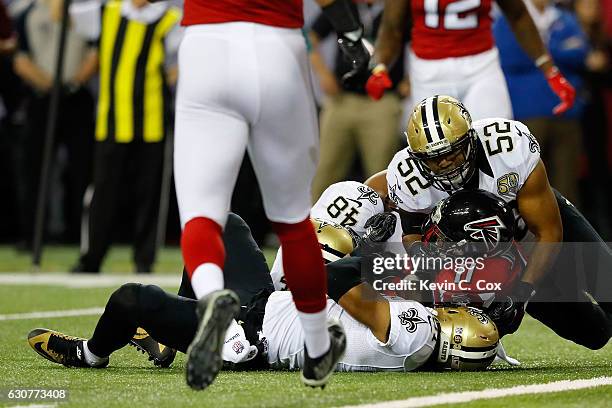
pixel 171 319
pixel 584 265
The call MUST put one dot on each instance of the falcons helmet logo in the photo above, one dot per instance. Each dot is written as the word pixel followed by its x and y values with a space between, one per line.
pixel 486 230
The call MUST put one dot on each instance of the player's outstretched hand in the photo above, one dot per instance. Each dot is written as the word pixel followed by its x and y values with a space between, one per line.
pixel 564 90
pixel 380 227
pixel 508 312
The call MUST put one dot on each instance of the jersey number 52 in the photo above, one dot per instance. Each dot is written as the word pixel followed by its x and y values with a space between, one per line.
pixel 502 140
pixel 406 169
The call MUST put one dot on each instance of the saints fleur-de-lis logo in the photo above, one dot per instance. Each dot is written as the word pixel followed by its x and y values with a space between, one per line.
pixel 393 194
pixel 534 146
pixel 366 193
pixel 410 318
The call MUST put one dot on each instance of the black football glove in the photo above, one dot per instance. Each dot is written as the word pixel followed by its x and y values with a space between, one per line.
pixel 344 17
pixel 355 52
pixel 508 313
pixel 380 227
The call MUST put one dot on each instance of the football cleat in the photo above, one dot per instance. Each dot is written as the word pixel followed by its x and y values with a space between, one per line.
pixel 60 348
pixel 316 371
pixel 215 312
pixel 161 355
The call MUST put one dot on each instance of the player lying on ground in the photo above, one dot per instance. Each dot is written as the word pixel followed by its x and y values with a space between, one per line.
pixel 350 204
pixel 447 153
pixel 400 335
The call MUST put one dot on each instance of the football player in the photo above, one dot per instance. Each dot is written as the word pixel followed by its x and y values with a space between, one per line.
pixel 473 225
pixel 447 152
pixel 453 52
pixel 245 84
pixel 382 334
pixel 354 207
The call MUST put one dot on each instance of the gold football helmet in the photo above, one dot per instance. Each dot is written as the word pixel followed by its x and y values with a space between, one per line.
pixel 442 142
pixel 468 339
pixel 336 242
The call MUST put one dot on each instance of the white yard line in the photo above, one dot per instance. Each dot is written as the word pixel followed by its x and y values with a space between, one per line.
pixel 468 396
pixel 34 406
pixel 92 311
pixel 85 281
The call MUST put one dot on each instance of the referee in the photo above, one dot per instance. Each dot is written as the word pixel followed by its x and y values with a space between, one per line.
pixel 137 42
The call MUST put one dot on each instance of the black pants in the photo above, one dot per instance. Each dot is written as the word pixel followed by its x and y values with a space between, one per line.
pixel 171 319
pixel 584 265
pixel 75 130
pixel 132 170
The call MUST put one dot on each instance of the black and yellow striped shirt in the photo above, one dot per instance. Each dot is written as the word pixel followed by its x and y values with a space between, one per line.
pixel 132 78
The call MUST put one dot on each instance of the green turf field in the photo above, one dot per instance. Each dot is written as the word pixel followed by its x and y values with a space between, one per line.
pixel 132 381
pixel 57 258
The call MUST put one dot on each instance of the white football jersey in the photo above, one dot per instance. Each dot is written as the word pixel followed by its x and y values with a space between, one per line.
pixel 349 204
pixel 412 337
pixel 507 154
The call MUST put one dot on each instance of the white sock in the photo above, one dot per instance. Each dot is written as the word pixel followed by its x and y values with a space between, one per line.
pixel 316 335
pixel 91 358
pixel 207 278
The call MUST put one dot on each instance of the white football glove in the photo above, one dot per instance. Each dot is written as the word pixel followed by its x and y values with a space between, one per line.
pixel 237 349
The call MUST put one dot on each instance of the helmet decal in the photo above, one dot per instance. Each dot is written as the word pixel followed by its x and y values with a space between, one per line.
pixel 486 230
pixel 431 119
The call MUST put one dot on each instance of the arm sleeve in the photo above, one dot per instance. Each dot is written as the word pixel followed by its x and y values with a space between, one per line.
pixel 342 276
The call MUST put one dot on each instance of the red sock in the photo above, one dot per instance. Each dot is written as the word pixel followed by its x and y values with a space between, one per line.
pixel 201 243
pixel 303 265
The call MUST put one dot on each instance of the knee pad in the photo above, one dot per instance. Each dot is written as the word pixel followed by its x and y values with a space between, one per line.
pixel 152 298
pixel 125 299
pixel 235 221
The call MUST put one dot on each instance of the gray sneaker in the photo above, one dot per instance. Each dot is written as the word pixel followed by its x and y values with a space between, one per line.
pixel 317 371
pixel 215 311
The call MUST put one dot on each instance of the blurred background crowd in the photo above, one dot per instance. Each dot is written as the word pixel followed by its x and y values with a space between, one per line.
pixel 358 135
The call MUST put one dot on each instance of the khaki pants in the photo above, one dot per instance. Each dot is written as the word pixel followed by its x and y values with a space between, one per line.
pixel 353 123
pixel 560 142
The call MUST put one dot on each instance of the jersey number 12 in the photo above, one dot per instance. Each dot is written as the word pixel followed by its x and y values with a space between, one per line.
pixel 457 15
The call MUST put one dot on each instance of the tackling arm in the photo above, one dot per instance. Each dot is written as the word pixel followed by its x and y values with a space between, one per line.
pixel 359 299
pixel 370 308
pixel 538 207
pixel 378 183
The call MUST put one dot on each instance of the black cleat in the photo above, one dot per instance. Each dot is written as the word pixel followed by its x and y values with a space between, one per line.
pixel 316 371
pixel 215 311
pixel 60 348
pixel 161 355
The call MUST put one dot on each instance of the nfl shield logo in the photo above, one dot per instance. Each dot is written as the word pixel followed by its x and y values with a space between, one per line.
pixel 237 347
